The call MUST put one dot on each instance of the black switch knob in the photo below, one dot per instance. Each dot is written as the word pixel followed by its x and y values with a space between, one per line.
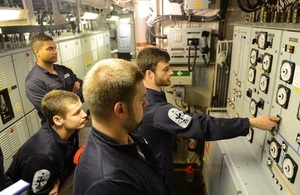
pixel 249 93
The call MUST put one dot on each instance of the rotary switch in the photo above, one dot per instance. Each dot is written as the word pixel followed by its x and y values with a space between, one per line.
pixel 287 71
pixel 267 62
pixel 283 96
pixel 251 75
pixel 289 168
pixel 274 150
pixel 253 56
pixel 264 83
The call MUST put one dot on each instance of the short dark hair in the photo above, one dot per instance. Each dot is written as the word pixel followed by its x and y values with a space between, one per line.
pixel 56 102
pixel 149 57
pixel 37 40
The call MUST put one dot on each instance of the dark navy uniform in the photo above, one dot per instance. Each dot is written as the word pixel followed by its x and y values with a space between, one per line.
pixel 162 121
pixel 4 180
pixel 109 168
pixel 40 81
pixel 43 159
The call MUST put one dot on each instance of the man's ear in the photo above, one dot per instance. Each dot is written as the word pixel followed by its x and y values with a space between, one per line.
pixel 120 109
pixel 35 51
pixel 149 74
pixel 57 120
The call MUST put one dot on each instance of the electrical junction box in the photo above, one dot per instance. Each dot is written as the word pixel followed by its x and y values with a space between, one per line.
pixel 188 44
pixel 178 92
pixel 196 5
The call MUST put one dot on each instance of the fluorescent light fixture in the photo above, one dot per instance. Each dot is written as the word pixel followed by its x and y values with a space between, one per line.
pixel 8 14
pixel 89 16
pixel 113 18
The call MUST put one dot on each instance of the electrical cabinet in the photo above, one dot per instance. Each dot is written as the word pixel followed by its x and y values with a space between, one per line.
pixel 23 62
pixel 266 77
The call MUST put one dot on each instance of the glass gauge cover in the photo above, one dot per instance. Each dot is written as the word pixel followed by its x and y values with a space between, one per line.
pixel 287 71
pixel 289 168
pixel 251 75
pixel 262 40
pixel 267 62
pixel 264 83
pixel 282 96
pixel 274 150
pixel 253 56
pixel 253 107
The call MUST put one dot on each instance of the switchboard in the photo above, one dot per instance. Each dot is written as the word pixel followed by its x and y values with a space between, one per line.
pixel 264 80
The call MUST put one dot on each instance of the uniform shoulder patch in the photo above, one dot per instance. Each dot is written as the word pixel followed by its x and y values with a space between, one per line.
pixel 40 179
pixel 179 117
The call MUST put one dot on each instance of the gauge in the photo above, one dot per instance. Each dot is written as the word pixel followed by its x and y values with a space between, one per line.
pixel 253 56
pixel 282 96
pixel 251 75
pixel 267 62
pixel 289 168
pixel 274 150
pixel 250 135
pixel 287 71
pixel 253 108
pixel 264 83
pixel 262 40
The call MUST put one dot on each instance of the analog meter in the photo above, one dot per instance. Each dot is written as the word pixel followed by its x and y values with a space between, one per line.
pixel 253 107
pixel 253 56
pixel 251 75
pixel 289 168
pixel 282 96
pixel 250 135
pixel 264 83
pixel 274 150
pixel 262 40
pixel 267 62
pixel 287 71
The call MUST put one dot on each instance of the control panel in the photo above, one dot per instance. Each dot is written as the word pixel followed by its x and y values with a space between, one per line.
pixel 260 79
pixel 282 151
pixel 271 78
pixel 189 45
pixel 241 40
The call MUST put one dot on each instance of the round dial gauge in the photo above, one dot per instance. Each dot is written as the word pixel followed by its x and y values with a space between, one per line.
pixel 262 40
pixel 286 71
pixel 253 56
pixel 267 62
pixel 250 135
pixel 281 96
pixel 253 107
pixel 288 168
pixel 263 83
pixel 251 75
pixel 274 150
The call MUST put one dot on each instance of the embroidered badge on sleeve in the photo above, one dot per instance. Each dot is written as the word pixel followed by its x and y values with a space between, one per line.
pixel 179 117
pixel 40 179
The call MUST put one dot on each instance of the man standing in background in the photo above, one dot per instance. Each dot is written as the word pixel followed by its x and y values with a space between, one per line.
pixel 46 76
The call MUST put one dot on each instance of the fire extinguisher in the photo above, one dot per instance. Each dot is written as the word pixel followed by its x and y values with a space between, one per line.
pixel 192 144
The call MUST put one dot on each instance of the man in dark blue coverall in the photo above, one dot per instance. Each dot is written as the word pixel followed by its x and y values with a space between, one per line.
pixel 162 120
pixel 46 76
pixel 115 160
